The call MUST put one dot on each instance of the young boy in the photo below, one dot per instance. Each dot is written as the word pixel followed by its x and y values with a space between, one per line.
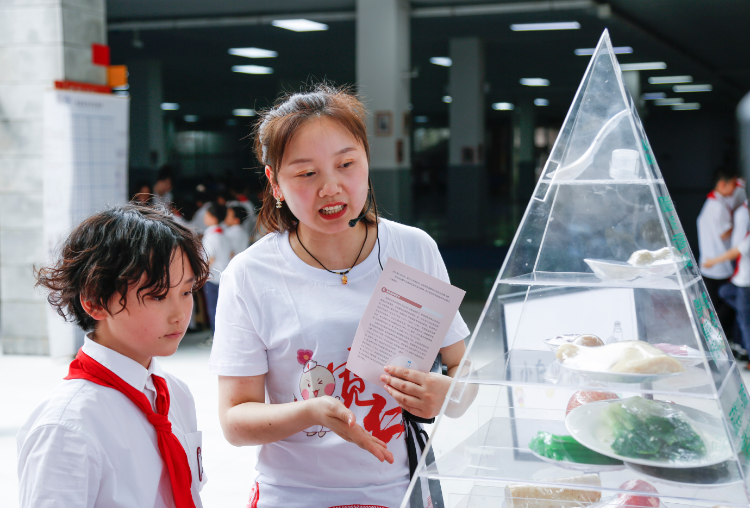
pixel 219 252
pixel 238 237
pixel 715 228
pixel 119 431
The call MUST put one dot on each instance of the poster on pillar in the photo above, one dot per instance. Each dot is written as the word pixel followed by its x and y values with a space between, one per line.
pixel 85 170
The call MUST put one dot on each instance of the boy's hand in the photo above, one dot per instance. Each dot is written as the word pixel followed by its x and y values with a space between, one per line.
pixel 420 393
pixel 333 414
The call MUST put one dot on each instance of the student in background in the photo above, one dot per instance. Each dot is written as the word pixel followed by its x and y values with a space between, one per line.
pixel 218 250
pixel 163 186
pixel 715 228
pixel 119 431
pixel 238 237
pixel 142 193
pixel 202 202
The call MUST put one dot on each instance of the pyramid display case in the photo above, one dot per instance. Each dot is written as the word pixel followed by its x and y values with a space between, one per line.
pixel 598 374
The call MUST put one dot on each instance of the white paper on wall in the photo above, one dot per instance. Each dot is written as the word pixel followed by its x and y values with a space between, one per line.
pixel 85 170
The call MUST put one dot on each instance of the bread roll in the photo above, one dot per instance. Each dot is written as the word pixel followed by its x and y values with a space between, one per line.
pixel 536 496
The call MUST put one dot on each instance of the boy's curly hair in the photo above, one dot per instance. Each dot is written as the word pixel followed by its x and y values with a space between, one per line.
pixel 114 249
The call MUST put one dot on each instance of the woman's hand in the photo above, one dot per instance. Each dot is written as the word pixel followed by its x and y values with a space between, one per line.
pixel 422 394
pixel 334 415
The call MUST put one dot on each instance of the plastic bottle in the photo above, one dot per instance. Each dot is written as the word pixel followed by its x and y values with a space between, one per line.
pixel 616 334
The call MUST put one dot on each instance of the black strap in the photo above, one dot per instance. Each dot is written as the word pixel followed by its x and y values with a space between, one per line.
pixel 414 435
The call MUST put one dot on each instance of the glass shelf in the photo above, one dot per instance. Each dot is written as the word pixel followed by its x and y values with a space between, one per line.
pixel 589 280
pixel 612 181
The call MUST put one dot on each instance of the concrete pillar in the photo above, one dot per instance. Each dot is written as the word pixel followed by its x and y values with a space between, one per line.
pixel 466 168
pixel 147 145
pixel 40 42
pixel 383 79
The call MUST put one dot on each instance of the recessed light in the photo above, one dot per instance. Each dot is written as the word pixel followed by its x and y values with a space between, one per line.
pixel 541 102
pixel 170 106
pixel 447 99
pixel 243 112
pixel 650 96
pixel 669 102
pixel 252 69
pixel 503 106
pixel 692 88
pixel 253 52
pixel 620 50
pixel 664 80
pixel 121 93
pixel 686 106
pixel 443 61
pixel 534 82
pixel 123 87
pixel 421 119
pixel 299 25
pixel 532 27
pixel 643 66
pixel 191 118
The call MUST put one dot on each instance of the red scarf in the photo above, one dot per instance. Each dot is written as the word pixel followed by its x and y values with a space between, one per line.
pixel 172 452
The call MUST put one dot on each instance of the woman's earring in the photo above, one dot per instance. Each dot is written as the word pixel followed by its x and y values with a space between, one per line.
pixel 278 202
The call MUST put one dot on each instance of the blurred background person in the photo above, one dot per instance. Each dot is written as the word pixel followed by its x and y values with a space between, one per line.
pixel 142 194
pixel 219 252
pixel 238 237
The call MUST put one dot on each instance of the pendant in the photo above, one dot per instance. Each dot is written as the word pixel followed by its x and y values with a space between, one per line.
pixel 343 279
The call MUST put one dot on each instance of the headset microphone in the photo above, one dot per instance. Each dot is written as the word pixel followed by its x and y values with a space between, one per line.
pixel 354 222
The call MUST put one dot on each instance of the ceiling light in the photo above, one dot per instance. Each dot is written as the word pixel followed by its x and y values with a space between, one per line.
pixel 421 119
pixel 252 69
pixel 121 93
pixel 502 106
pixel 664 80
pixel 620 50
pixel 243 112
pixel 686 106
pixel 170 106
pixel 447 99
pixel 692 88
pixel 299 25
pixel 253 52
pixel 123 87
pixel 541 102
pixel 644 66
pixel 669 102
pixel 191 118
pixel 441 60
pixel 653 96
pixel 534 82
pixel 530 27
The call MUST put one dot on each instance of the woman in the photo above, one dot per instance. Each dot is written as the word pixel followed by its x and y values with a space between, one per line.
pixel 288 310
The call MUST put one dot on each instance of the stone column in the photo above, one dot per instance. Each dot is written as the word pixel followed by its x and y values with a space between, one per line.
pixel 466 169
pixel 40 42
pixel 383 79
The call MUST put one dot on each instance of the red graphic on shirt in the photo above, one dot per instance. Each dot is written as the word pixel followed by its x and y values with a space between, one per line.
pixel 317 381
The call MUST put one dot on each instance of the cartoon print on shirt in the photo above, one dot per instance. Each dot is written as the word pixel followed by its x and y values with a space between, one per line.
pixel 316 381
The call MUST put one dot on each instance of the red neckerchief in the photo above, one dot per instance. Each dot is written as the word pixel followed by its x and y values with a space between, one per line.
pixel 172 452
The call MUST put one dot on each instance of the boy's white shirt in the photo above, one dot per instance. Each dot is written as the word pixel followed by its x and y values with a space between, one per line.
pixel 217 246
pixel 238 238
pixel 89 446
pixel 713 221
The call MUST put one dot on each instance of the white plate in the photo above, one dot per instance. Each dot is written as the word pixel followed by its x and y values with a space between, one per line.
pixel 718 475
pixel 619 377
pixel 577 466
pixel 585 423
pixel 620 270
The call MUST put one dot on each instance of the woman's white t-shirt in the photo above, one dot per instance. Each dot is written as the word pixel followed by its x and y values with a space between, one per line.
pixel 295 323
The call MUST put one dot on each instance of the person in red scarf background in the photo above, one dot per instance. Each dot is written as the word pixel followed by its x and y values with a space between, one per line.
pixel 119 431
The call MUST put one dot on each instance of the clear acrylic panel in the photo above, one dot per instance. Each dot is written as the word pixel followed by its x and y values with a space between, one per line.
pixel 598 374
